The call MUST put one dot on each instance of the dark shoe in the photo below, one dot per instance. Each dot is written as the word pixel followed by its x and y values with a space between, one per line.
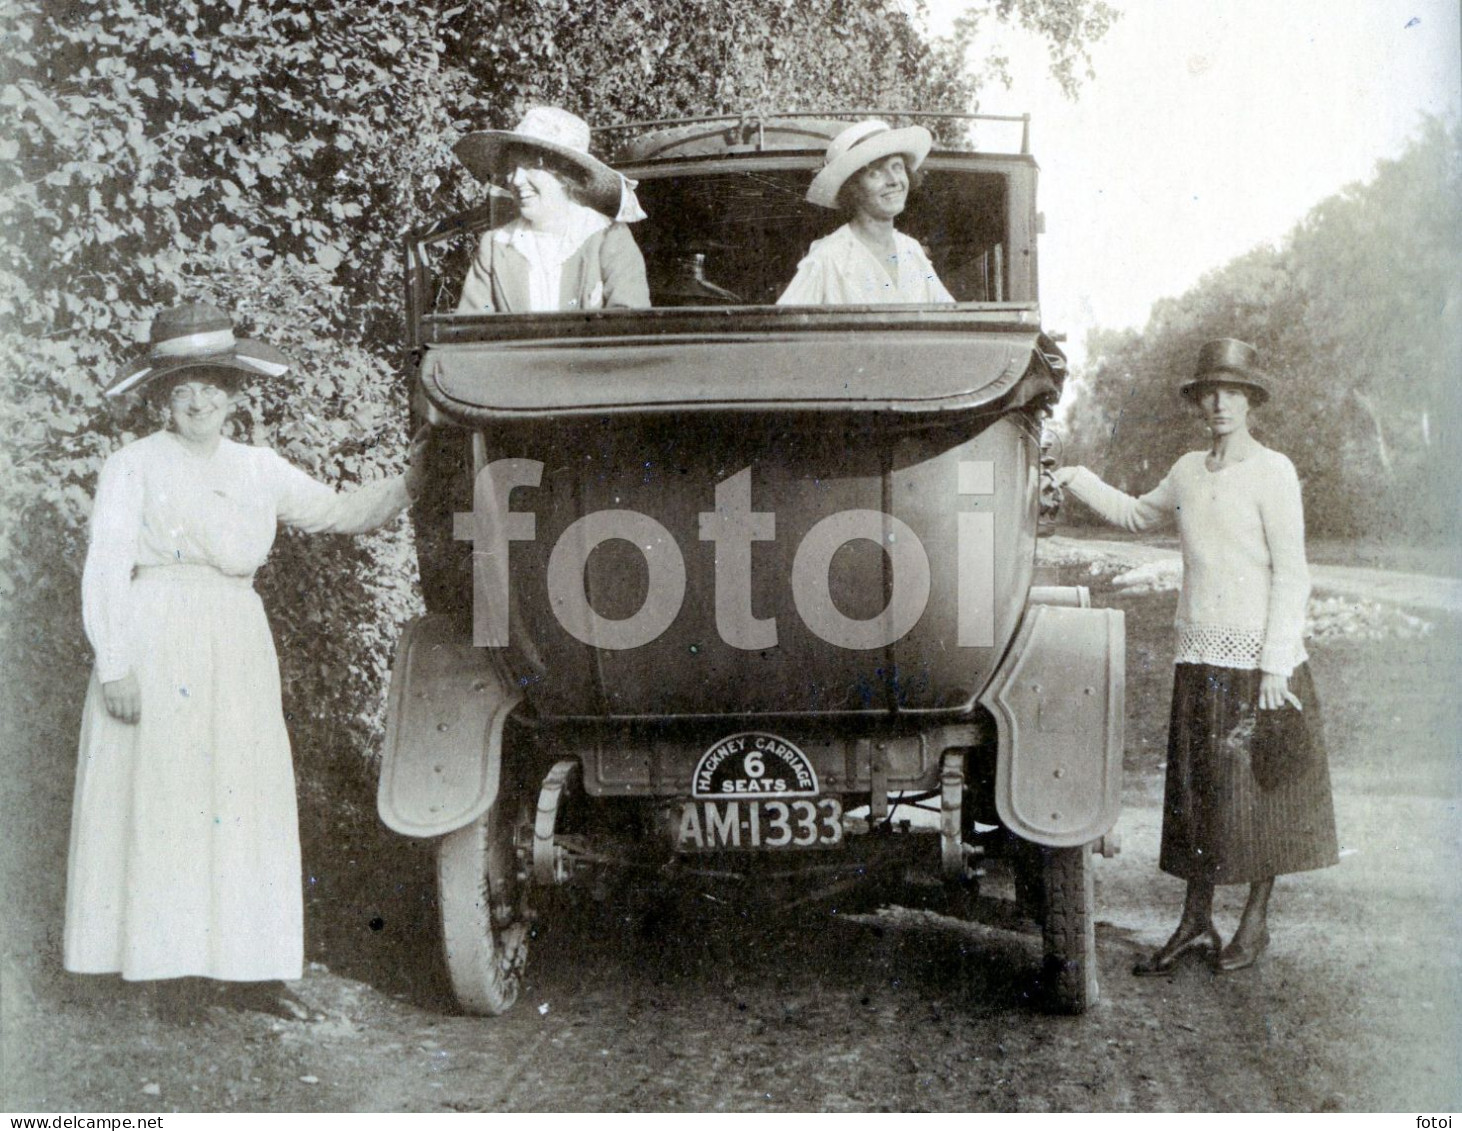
pixel 1236 956
pixel 273 998
pixel 1183 940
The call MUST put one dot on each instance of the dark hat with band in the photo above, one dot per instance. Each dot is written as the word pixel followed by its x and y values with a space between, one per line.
pixel 1228 361
pixel 194 336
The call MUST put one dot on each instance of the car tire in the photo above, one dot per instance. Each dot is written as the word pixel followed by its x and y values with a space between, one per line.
pixel 484 930
pixel 1068 929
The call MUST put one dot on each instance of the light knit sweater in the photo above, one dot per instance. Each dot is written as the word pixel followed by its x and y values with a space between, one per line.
pixel 1242 528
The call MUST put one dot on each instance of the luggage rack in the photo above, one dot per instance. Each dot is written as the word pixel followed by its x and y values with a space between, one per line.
pixel 753 123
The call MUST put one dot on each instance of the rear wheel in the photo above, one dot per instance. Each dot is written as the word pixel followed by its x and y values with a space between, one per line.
pixel 484 925
pixel 1068 929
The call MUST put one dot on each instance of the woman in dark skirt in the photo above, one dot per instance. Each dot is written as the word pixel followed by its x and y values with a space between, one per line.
pixel 1248 784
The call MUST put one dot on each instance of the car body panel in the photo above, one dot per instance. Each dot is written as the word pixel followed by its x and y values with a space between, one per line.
pixel 1058 707
pixel 904 370
pixel 442 759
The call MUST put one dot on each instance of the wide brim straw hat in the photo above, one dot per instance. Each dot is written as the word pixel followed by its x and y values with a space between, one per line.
pixel 862 144
pixel 553 131
pixel 1228 361
pixel 198 336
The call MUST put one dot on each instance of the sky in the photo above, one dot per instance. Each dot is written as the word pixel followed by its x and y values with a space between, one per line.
pixel 1212 126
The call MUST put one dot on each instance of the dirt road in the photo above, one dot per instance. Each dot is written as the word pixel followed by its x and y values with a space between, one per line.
pixel 683 1002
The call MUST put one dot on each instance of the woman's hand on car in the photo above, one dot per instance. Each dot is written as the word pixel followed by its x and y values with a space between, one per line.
pixel 1064 475
pixel 416 462
pixel 123 698
pixel 1274 692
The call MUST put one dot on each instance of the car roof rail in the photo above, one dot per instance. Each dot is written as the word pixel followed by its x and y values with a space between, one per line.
pixel 753 123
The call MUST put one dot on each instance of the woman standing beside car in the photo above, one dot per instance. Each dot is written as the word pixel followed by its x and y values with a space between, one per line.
pixel 1248 784
pixel 185 855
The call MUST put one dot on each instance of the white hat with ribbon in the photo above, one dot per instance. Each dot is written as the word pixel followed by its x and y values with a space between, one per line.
pixel 862 144
pixel 565 136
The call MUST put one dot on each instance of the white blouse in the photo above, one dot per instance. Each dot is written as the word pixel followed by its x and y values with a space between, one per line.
pixel 547 252
pixel 158 504
pixel 841 270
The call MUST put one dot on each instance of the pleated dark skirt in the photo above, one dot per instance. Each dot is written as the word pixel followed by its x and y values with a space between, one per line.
pixel 1219 821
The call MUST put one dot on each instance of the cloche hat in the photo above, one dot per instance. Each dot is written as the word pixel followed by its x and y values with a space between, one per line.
pixel 197 335
pixel 565 136
pixel 862 144
pixel 1228 361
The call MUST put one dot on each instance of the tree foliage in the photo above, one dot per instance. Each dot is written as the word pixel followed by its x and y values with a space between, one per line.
pixel 1357 315
pixel 249 155
pixel 642 59
pixel 266 155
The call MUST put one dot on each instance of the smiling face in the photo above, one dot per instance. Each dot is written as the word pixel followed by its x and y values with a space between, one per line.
pixel 542 192
pixel 199 405
pixel 1225 408
pixel 880 190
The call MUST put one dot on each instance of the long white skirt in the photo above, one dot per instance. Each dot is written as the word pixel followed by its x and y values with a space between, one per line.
pixel 185 856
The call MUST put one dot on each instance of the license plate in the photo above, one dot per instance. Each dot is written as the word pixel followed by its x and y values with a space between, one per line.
pixel 712 826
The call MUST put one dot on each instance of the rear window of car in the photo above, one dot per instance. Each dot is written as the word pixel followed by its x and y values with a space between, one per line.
pixel 734 236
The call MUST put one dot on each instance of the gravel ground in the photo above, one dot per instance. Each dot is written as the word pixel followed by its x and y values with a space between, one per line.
pixel 689 1000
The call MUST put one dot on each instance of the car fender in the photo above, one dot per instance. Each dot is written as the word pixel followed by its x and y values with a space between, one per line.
pixel 1057 701
pixel 445 715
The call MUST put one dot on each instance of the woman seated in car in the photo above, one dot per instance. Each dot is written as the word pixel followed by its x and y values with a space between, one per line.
pixel 570 247
pixel 867 175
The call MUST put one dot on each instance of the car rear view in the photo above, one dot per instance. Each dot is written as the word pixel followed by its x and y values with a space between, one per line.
pixel 721 587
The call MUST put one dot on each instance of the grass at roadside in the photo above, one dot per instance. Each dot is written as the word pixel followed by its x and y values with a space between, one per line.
pixel 1391 716
pixel 1434 561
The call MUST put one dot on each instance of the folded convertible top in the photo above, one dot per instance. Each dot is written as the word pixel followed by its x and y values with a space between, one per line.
pixel 910 368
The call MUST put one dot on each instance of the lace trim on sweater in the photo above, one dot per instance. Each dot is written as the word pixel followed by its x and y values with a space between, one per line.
pixel 1219 646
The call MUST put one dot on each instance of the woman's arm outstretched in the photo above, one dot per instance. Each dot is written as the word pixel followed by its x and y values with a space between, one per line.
pixel 1117 507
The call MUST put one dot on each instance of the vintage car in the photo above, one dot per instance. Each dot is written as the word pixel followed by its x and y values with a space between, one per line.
pixel 722 588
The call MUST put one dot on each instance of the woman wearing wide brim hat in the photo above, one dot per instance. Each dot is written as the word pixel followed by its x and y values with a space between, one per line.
pixel 192 338
pixel 569 248
pixel 867 174
pixel 185 857
pixel 1248 783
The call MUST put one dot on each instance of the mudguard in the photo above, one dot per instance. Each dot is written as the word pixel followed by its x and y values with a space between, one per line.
pixel 1057 700
pixel 444 731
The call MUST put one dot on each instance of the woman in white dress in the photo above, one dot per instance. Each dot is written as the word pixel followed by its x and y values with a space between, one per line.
pixel 867 174
pixel 185 854
pixel 1247 796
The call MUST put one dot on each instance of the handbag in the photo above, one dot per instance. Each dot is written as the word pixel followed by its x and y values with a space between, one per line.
pixel 1280 750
